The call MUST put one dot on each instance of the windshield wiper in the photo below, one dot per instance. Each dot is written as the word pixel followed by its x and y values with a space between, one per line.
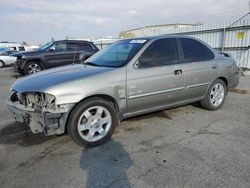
pixel 91 63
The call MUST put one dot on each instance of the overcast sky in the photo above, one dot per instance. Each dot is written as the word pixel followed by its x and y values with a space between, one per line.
pixel 36 21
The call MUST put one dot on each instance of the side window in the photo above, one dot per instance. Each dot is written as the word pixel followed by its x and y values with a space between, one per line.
pixel 61 46
pixel 86 46
pixel 195 51
pixel 161 52
pixel 80 46
pixel 21 48
pixel 73 46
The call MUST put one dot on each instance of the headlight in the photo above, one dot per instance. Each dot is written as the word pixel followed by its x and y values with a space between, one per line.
pixel 38 98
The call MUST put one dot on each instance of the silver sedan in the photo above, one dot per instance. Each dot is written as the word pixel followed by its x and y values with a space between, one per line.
pixel 128 78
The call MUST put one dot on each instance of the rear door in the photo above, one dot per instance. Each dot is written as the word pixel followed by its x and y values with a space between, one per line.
pixel 199 67
pixel 156 79
pixel 81 50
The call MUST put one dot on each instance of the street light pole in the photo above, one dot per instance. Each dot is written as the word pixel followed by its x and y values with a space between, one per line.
pixel 224 29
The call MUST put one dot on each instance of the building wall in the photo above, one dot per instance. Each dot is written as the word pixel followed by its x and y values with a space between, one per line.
pixel 234 40
pixel 151 30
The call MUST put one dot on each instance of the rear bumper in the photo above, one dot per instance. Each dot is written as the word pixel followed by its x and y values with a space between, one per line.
pixel 234 81
pixel 49 123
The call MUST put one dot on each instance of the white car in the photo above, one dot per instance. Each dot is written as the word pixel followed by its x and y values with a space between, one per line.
pixel 6 58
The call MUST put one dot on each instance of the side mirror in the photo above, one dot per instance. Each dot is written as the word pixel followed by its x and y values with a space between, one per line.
pixel 137 64
pixel 52 48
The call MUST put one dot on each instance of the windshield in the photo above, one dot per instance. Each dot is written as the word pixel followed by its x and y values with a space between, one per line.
pixel 2 49
pixel 44 46
pixel 117 54
pixel 5 52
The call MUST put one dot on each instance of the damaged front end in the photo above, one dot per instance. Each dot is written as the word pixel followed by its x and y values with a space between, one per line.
pixel 39 111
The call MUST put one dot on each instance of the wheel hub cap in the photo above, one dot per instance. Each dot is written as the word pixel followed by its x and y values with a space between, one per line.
pixel 94 123
pixel 217 94
pixel 33 68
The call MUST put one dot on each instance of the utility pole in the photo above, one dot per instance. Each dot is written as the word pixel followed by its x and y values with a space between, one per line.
pixel 225 28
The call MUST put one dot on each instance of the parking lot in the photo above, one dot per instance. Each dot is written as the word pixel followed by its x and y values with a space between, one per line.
pixel 182 147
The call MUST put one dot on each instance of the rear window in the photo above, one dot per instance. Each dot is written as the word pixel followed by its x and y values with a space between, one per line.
pixel 193 50
pixel 80 46
pixel 21 48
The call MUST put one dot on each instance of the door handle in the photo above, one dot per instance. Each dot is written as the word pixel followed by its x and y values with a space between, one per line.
pixel 177 72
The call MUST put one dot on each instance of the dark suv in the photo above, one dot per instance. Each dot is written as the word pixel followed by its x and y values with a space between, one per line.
pixel 54 54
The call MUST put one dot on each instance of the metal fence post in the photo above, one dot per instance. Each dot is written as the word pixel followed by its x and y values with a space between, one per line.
pixel 223 39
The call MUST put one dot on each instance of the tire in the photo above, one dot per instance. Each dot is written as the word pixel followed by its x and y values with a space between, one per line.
pixel 215 96
pixel 32 67
pixel 1 64
pixel 86 127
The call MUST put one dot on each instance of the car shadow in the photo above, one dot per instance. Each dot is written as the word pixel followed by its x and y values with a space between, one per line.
pixel 165 114
pixel 20 134
pixel 106 165
pixel 160 114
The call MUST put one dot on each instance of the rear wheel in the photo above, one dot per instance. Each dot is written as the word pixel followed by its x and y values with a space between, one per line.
pixel 32 67
pixel 92 122
pixel 1 63
pixel 215 96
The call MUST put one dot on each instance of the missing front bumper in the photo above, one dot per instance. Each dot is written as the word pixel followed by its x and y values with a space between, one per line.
pixel 49 123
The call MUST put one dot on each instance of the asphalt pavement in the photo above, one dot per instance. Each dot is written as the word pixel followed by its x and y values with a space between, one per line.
pixel 181 147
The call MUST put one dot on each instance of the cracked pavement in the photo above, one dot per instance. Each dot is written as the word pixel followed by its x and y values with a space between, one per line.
pixel 182 147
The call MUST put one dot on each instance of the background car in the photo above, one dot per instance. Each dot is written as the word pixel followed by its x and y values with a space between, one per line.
pixel 6 58
pixel 54 54
pixel 12 46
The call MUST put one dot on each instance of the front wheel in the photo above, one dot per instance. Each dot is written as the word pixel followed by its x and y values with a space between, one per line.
pixel 32 67
pixel 1 63
pixel 215 96
pixel 92 122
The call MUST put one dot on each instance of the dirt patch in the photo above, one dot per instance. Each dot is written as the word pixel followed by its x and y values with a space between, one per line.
pixel 240 91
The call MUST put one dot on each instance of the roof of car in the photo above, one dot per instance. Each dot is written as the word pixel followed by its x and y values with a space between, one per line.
pixel 72 40
pixel 160 36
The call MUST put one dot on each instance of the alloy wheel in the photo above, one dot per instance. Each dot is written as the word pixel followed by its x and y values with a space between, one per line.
pixel 94 123
pixel 217 94
pixel 33 68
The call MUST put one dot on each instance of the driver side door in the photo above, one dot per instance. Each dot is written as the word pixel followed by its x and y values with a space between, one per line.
pixel 58 55
pixel 156 80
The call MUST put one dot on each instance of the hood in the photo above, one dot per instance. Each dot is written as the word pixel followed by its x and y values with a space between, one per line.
pixel 27 53
pixel 43 80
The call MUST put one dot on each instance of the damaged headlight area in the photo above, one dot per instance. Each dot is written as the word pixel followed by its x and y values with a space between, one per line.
pixel 39 102
pixel 40 111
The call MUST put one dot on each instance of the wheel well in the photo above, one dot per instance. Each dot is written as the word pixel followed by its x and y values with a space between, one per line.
pixel 37 60
pixel 86 58
pixel 105 97
pixel 224 80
